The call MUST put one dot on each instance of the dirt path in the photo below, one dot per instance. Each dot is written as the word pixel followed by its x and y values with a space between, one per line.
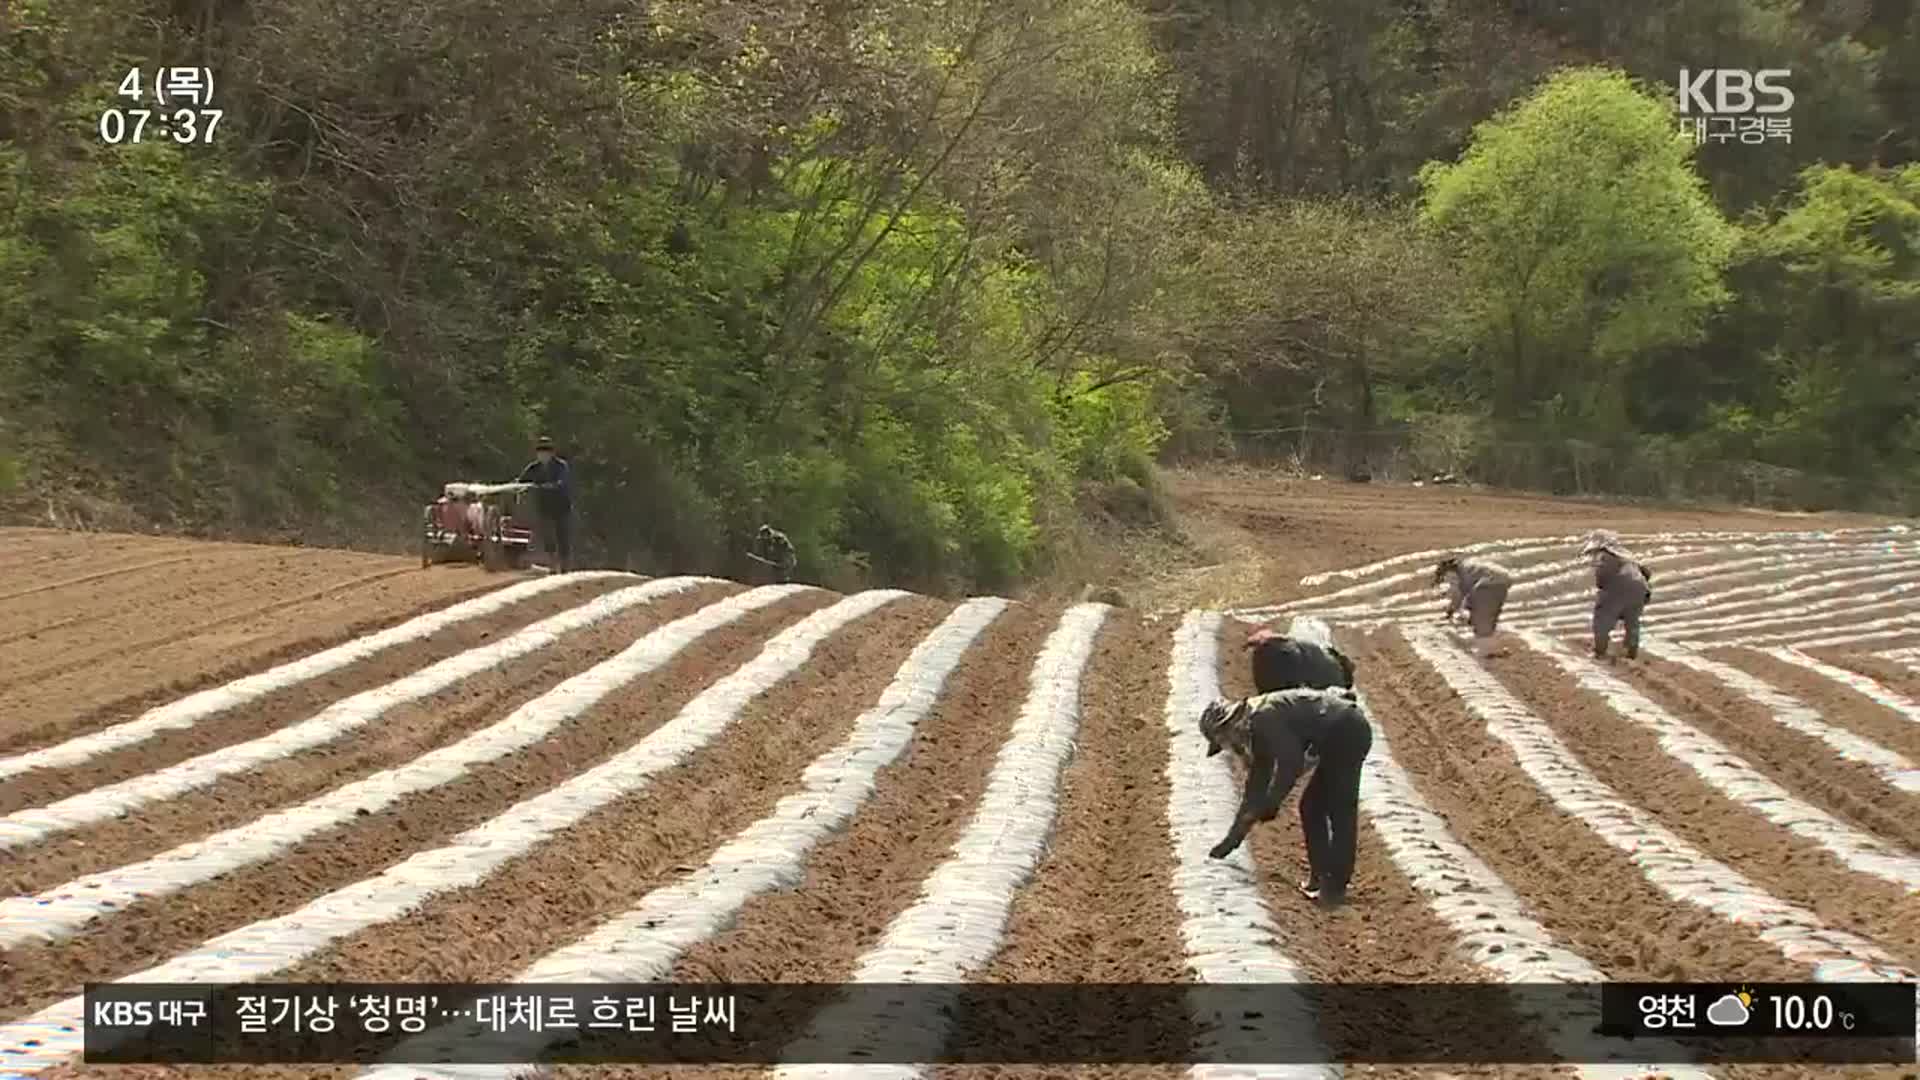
pixel 267 609
pixel 1838 705
pixel 1802 764
pixel 1100 907
pixel 260 716
pixel 1630 759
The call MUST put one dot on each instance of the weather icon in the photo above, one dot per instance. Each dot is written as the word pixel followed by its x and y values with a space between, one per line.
pixel 1732 1010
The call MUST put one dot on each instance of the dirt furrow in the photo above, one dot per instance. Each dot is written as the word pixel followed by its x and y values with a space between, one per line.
pixel 600 867
pixel 152 930
pixel 1386 933
pixel 402 734
pixel 1894 676
pixel 1100 907
pixel 1592 898
pixel 857 883
pixel 1838 705
pixel 1850 790
pixel 91 698
pixel 291 705
pixel 1630 759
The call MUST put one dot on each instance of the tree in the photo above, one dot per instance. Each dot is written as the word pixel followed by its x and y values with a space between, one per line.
pixel 1836 288
pixel 1585 238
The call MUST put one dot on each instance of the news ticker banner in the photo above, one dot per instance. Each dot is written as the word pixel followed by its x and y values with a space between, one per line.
pixel 1003 1023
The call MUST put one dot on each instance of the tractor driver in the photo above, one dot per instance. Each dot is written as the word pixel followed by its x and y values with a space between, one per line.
pixel 552 479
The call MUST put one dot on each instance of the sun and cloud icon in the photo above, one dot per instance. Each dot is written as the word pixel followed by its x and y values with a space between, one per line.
pixel 1731 1010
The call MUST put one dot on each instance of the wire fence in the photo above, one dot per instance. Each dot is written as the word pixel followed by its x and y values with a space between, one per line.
pixel 1643 467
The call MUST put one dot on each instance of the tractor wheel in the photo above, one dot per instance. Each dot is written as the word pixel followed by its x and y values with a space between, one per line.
pixel 493 555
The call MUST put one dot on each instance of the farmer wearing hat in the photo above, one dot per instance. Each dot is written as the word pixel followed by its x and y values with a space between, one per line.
pixel 1624 586
pixel 1480 586
pixel 552 479
pixel 1272 733
pixel 773 549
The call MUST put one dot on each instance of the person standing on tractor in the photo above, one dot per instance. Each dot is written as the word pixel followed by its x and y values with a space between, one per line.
pixel 771 547
pixel 552 480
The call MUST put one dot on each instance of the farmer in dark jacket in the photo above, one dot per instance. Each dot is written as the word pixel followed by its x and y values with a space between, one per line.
pixel 1623 589
pixel 552 479
pixel 1271 734
pixel 1284 663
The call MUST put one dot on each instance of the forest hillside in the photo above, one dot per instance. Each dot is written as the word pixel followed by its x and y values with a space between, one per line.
pixel 933 284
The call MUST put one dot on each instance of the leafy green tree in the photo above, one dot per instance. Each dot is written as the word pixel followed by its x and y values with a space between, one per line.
pixel 1585 240
pixel 1835 285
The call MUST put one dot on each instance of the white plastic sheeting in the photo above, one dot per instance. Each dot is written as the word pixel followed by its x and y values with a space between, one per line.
pixel 1669 863
pixel 1730 775
pixel 1512 549
pixel 1906 658
pixel 1899 595
pixel 957 924
pixel 1772 591
pixel 1230 935
pixel 1497 932
pixel 1559 578
pixel 271 945
pixel 1796 715
pixel 645 943
pixel 1904 624
pixel 65 909
pixel 335 721
pixel 190 710
pixel 1852 680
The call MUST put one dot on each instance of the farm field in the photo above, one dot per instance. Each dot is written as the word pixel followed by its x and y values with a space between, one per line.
pixel 230 763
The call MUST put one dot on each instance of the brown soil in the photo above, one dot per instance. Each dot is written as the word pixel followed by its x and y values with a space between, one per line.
pixel 289 706
pixel 263 606
pixel 1802 764
pixel 1838 705
pixel 1894 676
pixel 1100 907
pixel 1629 759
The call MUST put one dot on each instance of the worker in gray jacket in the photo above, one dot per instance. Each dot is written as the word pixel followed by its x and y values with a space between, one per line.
pixel 1623 589
pixel 1481 587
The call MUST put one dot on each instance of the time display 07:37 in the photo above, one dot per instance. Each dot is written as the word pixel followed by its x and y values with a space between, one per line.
pixel 181 125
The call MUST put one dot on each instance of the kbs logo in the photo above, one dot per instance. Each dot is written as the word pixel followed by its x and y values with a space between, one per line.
pixel 1733 91
pixel 1723 104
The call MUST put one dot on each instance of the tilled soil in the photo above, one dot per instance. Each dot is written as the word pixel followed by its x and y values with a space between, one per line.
pixel 1385 933
pixel 1894 676
pixel 1629 758
pixel 1838 704
pixel 398 736
pixel 261 606
pixel 1100 907
pixel 1589 896
pixel 154 929
pixel 1800 763
pixel 293 704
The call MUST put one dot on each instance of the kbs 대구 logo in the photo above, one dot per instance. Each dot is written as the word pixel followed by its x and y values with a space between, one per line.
pixel 1724 104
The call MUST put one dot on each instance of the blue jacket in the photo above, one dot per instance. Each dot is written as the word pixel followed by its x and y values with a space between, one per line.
pixel 555 480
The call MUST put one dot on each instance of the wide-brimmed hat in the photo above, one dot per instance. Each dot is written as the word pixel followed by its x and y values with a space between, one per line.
pixel 1600 540
pixel 544 442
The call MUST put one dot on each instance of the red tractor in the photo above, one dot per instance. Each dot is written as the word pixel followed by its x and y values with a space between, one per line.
pixel 475 521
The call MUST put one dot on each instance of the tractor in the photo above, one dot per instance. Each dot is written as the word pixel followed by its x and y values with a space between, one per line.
pixel 475 521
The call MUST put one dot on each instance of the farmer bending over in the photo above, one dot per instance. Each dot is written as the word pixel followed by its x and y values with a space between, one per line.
pixel 1284 663
pixel 772 547
pixel 1482 588
pixel 1271 734
pixel 1624 586
pixel 552 479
